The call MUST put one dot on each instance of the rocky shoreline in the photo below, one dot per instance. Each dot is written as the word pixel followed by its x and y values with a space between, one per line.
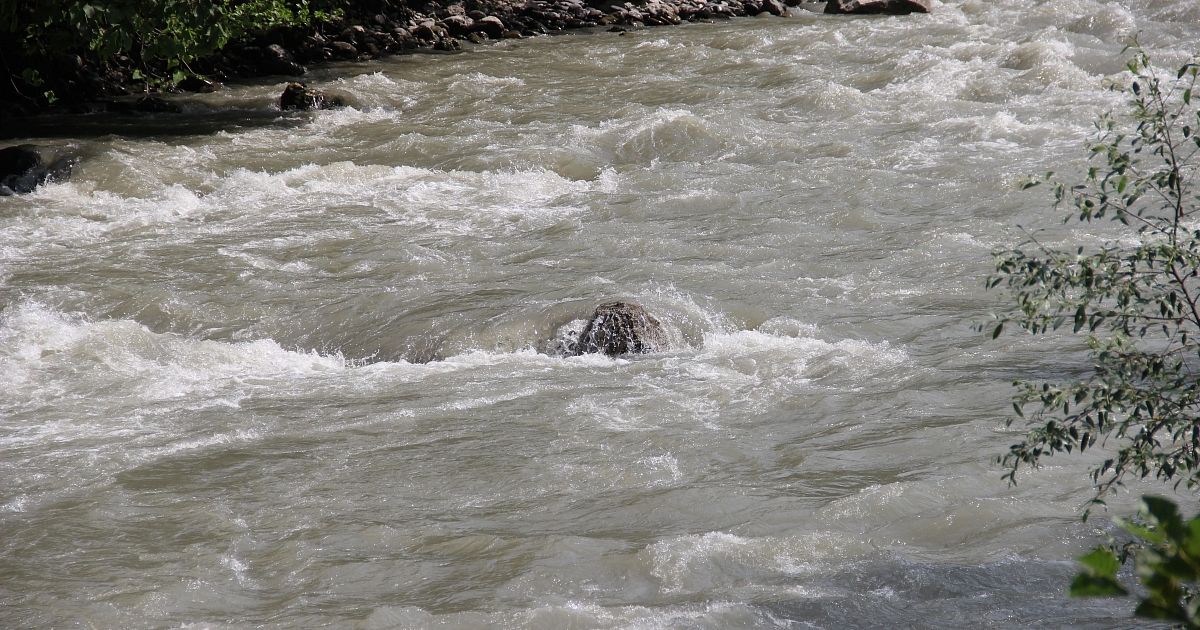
pixel 401 28
pixel 437 26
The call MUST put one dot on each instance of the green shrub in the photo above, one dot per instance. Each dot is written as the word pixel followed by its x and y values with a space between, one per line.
pixel 160 37
pixel 1136 299
pixel 1166 560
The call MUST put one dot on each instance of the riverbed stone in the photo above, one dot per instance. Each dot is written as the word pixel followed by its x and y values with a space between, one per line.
pixel 458 25
pixel 774 7
pixel 491 26
pixel 276 59
pixel 198 84
pixel 343 50
pixel 617 328
pixel 298 96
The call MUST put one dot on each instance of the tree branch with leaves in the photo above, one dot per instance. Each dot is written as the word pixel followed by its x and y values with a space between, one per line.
pixel 1134 299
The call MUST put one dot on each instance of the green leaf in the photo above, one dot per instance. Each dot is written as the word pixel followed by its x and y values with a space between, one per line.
pixel 1100 562
pixel 1085 585
pixel 1163 511
pixel 1099 575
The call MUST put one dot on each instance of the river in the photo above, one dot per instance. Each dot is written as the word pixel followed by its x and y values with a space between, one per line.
pixel 265 370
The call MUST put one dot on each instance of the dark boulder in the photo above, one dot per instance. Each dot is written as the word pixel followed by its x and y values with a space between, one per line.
pixel 22 168
pixel 273 59
pixel 491 26
pixel 458 25
pixel 429 31
pixel 343 50
pixel 774 7
pixel 890 7
pixel 618 328
pixel 198 84
pixel 297 96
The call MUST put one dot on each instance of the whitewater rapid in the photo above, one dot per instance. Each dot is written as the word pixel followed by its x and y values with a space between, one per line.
pixel 293 369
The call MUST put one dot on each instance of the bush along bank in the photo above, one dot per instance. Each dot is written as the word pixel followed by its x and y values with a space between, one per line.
pixel 89 57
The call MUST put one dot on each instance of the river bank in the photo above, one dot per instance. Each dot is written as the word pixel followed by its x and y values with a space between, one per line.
pixel 75 81
pixel 81 84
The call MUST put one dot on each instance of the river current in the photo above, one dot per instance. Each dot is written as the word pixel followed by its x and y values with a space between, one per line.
pixel 292 370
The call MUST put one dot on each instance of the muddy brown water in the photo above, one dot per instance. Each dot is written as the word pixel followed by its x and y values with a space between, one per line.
pixel 289 371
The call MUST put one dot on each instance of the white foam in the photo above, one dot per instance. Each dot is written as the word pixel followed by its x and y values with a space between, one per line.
pixel 1109 22
pixel 47 349
pixel 697 563
pixel 662 134
pixel 479 85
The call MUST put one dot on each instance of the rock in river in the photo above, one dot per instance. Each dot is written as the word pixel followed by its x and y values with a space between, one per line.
pixel 22 169
pixel 299 96
pixel 617 328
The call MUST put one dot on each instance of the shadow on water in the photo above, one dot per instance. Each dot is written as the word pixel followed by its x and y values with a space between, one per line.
pixel 1012 593
pixel 193 121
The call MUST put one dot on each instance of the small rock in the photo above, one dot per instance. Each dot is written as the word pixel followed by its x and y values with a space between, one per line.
pixel 429 31
pixel 458 25
pixel 198 84
pixel 297 96
pixel 279 61
pixel 352 34
pixel 617 328
pixel 774 7
pixel 343 50
pixel 491 26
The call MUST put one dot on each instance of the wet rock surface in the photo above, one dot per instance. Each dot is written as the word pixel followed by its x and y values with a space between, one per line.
pixel 406 27
pixel 23 168
pixel 617 328
pixel 299 97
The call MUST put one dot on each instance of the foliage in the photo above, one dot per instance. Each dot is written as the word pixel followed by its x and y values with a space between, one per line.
pixel 1167 563
pixel 1136 299
pixel 160 37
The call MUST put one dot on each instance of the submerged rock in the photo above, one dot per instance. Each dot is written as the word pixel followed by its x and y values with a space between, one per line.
pixel 890 7
pixel 617 328
pixel 298 96
pixel 22 169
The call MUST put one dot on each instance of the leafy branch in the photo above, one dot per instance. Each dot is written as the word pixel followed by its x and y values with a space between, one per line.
pixel 1135 300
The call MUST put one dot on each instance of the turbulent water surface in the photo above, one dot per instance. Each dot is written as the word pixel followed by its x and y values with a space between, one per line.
pixel 293 370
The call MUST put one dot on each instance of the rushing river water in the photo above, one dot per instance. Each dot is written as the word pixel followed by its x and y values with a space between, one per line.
pixel 290 370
